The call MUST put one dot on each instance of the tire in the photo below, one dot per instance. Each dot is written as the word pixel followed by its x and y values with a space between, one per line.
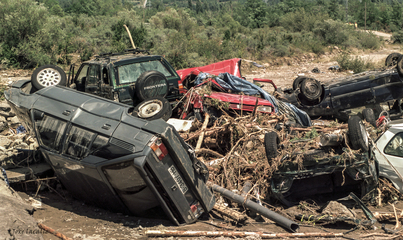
pixel 271 141
pixel 151 84
pixel 369 116
pixel 357 134
pixel 153 108
pixel 399 66
pixel 377 110
pixel 297 82
pixel 392 59
pixel 311 89
pixel 48 75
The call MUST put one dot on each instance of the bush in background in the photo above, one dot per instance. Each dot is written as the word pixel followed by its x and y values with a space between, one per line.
pixel 355 64
pixel 397 37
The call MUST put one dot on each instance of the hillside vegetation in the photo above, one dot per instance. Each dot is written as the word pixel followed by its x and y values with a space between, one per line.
pixel 188 33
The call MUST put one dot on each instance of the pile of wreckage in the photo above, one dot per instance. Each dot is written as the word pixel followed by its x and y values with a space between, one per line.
pixel 238 155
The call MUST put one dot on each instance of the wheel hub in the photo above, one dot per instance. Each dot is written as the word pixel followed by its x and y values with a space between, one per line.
pixel 149 109
pixel 49 77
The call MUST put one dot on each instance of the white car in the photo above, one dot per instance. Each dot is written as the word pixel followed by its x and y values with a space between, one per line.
pixel 389 153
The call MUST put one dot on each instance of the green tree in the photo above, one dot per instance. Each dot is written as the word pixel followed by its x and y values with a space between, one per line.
pixel 28 35
pixel 254 14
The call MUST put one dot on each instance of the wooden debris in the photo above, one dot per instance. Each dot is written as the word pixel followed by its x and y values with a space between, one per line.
pixel 174 233
pixel 388 216
pixel 200 141
pixel 230 213
pixel 54 232
pixel 398 224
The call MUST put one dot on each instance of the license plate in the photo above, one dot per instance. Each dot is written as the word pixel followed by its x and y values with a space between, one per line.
pixel 178 179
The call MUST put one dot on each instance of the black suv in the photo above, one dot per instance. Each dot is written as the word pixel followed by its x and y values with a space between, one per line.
pixel 104 155
pixel 134 77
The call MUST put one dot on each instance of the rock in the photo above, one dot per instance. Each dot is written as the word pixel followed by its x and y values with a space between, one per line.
pixel 22 146
pixel 249 145
pixel 16 142
pixel 16 221
pixel 4 107
pixel 337 209
pixel 14 120
pixel 5 142
pixel 7 114
pixel 33 146
pixel 3 125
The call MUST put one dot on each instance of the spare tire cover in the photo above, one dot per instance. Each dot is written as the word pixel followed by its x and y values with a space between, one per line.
pixel 151 84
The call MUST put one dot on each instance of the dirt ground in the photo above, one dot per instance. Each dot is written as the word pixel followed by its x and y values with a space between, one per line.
pixel 77 220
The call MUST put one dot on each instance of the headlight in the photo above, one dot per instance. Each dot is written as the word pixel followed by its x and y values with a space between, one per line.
pixel 265 109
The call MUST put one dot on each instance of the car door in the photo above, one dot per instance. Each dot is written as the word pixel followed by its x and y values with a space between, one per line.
pixel 105 86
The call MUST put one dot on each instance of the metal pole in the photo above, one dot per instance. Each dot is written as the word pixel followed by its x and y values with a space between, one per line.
pixel 277 218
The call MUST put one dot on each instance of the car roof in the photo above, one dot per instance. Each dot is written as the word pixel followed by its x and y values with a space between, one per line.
pixel 117 58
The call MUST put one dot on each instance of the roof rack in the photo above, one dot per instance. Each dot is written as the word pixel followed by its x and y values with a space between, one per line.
pixel 131 50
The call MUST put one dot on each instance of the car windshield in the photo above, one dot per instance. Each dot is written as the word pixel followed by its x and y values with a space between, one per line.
pixel 130 73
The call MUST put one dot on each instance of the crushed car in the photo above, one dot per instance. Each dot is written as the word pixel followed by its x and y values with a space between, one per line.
pixel 339 96
pixel 104 154
pixel 329 166
pixel 225 77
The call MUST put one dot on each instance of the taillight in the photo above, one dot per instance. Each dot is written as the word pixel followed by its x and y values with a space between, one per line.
pixel 196 209
pixel 180 85
pixel 158 147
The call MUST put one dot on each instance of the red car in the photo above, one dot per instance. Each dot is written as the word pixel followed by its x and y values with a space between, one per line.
pixel 236 102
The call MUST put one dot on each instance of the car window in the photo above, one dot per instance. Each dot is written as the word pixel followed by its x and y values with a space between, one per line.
pixel 395 145
pixel 78 142
pixel 50 130
pixel 94 75
pixel 131 72
pixel 82 73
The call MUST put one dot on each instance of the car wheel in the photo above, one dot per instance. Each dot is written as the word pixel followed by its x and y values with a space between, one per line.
pixel 311 89
pixel 369 116
pixel 151 84
pixel 392 59
pixel 153 108
pixel 399 66
pixel 297 82
pixel 377 110
pixel 271 141
pixel 48 75
pixel 357 134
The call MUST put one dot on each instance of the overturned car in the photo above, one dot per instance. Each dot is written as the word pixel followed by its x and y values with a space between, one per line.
pixel 330 166
pixel 104 155
pixel 340 95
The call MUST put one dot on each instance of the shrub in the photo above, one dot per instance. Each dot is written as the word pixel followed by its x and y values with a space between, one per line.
pixel 302 21
pixel 356 64
pixel 332 32
pixel 397 37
